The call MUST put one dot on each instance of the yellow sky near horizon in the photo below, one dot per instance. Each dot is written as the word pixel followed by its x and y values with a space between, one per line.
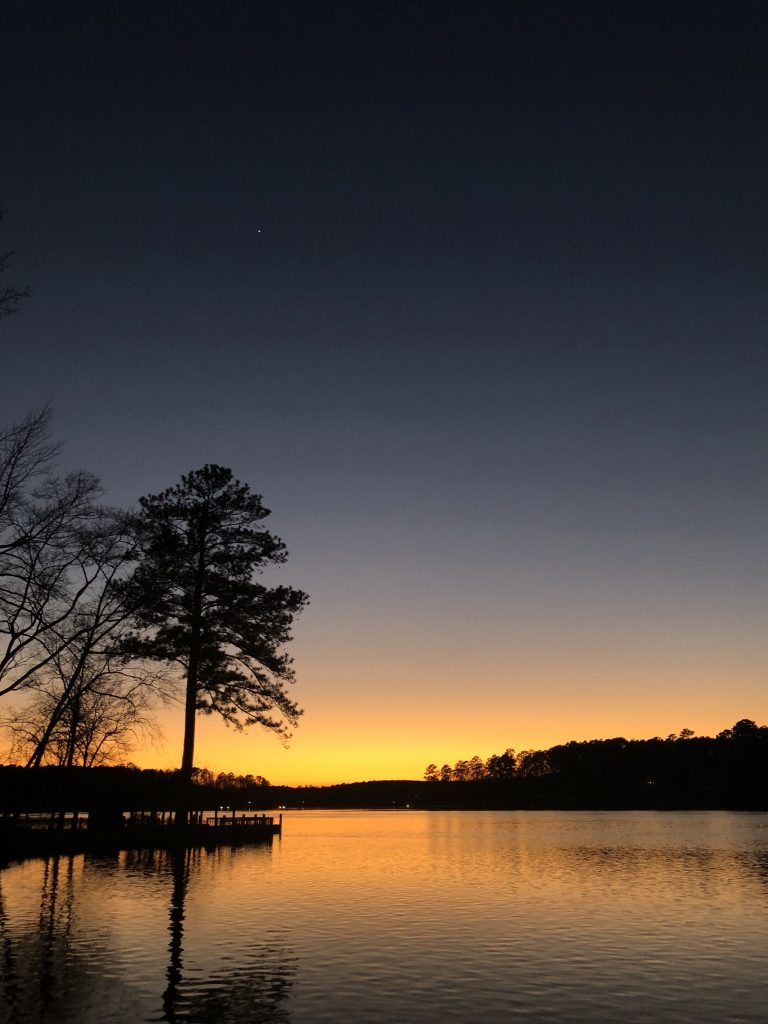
pixel 393 729
pixel 391 682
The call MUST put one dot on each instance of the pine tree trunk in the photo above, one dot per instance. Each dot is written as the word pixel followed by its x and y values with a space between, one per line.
pixel 193 671
pixel 190 708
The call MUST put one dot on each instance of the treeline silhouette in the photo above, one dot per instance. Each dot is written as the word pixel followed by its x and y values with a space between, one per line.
pixel 728 770
pixel 226 781
pixel 683 771
pixel 55 787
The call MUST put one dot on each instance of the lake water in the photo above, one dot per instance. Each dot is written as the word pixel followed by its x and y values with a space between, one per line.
pixel 403 917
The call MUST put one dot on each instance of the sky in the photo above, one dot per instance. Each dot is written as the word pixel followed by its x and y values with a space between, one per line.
pixel 474 294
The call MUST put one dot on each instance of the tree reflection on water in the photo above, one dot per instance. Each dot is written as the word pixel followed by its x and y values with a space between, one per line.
pixel 253 993
pixel 60 962
pixel 38 966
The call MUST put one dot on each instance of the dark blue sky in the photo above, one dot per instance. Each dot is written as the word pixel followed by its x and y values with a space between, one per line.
pixel 473 293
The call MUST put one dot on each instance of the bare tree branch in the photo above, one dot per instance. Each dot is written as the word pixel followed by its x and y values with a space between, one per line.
pixel 60 551
pixel 10 295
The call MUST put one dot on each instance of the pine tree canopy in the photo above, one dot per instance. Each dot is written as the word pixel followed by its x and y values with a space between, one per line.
pixel 198 603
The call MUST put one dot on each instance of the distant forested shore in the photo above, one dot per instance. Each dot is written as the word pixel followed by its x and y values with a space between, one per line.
pixel 728 771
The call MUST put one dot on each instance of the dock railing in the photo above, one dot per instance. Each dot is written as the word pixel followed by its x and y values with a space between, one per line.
pixel 129 820
pixel 243 820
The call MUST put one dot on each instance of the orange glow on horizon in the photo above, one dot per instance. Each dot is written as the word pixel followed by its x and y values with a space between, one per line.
pixel 393 730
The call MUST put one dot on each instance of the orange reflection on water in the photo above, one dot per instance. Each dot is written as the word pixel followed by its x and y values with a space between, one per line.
pixel 392 916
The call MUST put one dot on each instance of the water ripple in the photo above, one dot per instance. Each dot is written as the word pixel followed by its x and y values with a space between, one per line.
pixel 410 918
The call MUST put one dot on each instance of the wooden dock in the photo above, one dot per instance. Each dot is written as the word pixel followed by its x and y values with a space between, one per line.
pixel 110 829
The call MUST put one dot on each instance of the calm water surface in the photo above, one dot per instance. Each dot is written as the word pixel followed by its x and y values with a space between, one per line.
pixel 403 917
